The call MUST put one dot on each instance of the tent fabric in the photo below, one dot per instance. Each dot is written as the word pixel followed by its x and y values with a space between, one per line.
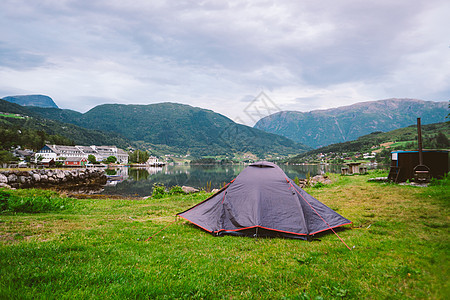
pixel 263 201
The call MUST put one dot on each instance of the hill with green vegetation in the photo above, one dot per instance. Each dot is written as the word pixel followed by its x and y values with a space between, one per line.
pixel 20 126
pixel 435 136
pixel 32 100
pixel 324 127
pixel 177 128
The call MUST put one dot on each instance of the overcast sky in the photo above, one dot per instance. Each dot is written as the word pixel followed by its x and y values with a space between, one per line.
pixel 303 55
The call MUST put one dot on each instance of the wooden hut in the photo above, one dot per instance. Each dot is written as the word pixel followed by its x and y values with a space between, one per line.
pixel 404 162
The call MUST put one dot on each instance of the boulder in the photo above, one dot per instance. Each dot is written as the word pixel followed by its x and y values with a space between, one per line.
pixel 12 178
pixel 3 179
pixel 36 177
pixel 189 190
pixel 4 185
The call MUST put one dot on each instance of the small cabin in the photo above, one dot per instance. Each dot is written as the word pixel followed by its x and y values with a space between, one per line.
pixel 75 161
pixel 405 162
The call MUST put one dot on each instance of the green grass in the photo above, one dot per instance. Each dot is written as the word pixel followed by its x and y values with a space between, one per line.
pixel 14 116
pixel 97 249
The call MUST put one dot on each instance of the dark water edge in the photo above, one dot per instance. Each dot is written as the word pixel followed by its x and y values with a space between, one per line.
pixel 138 182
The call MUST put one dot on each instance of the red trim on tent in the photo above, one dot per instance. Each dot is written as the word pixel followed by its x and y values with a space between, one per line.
pixel 330 227
pixel 257 226
pixel 244 228
pixel 195 224
pixel 320 216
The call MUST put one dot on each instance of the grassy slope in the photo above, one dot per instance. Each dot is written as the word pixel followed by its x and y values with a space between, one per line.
pixel 97 251
pixel 79 135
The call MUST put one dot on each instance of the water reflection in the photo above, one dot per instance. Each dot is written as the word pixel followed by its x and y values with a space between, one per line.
pixel 139 181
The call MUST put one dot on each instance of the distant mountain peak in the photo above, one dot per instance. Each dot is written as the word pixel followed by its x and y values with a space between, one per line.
pixel 319 128
pixel 32 100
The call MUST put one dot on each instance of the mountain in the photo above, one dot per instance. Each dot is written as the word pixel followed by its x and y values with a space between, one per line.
pixel 32 100
pixel 324 127
pixel 39 129
pixel 178 127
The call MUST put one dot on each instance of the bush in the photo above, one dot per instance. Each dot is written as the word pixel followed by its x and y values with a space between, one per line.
pixel 159 191
pixel 176 190
pixel 32 201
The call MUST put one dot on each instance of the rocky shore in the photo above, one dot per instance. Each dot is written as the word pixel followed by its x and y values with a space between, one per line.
pixel 323 179
pixel 52 178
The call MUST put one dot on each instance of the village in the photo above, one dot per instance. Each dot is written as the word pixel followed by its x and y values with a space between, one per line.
pixel 75 156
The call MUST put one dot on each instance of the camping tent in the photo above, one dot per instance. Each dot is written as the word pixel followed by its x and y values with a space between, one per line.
pixel 263 201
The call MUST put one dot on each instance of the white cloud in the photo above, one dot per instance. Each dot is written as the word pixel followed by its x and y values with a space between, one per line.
pixel 304 55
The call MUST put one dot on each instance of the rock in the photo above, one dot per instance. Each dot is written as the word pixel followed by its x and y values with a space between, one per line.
pixel 4 185
pixel 215 191
pixel 189 190
pixel 36 177
pixel 12 178
pixel 60 174
pixel 3 179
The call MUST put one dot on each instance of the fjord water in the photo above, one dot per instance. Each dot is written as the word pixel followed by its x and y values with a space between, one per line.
pixel 138 182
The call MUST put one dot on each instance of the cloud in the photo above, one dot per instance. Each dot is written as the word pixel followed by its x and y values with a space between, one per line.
pixel 220 54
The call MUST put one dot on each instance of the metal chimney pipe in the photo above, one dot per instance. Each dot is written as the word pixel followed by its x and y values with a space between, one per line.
pixel 419 141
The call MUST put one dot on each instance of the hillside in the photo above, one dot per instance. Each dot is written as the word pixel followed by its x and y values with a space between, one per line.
pixel 403 138
pixel 178 128
pixel 32 131
pixel 32 100
pixel 324 127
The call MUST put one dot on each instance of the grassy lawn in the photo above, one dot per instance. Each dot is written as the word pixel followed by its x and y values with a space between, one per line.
pixel 96 249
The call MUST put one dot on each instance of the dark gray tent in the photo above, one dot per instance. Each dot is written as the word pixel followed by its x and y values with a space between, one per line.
pixel 263 201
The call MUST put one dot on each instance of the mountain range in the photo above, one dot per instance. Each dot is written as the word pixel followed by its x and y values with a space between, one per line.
pixel 173 127
pixel 183 129
pixel 324 127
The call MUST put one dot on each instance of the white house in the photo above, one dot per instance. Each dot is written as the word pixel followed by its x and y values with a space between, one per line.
pixel 154 161
pixel 58 152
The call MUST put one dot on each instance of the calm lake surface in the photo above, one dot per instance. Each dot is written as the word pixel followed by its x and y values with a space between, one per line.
pixel 127 181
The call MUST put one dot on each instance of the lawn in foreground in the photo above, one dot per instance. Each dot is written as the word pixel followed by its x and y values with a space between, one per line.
pixel 97 249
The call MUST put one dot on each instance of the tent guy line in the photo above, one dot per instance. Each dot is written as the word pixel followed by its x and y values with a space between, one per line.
pixel 320 215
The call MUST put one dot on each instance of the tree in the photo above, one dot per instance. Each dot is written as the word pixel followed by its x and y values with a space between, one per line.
pixel 6 156
pixel 110 160
pixel 92 159
pixel 442 141
pixel 139 156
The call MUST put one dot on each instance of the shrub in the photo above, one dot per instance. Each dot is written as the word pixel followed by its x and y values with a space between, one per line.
pixel 176 190
pixel 159 191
